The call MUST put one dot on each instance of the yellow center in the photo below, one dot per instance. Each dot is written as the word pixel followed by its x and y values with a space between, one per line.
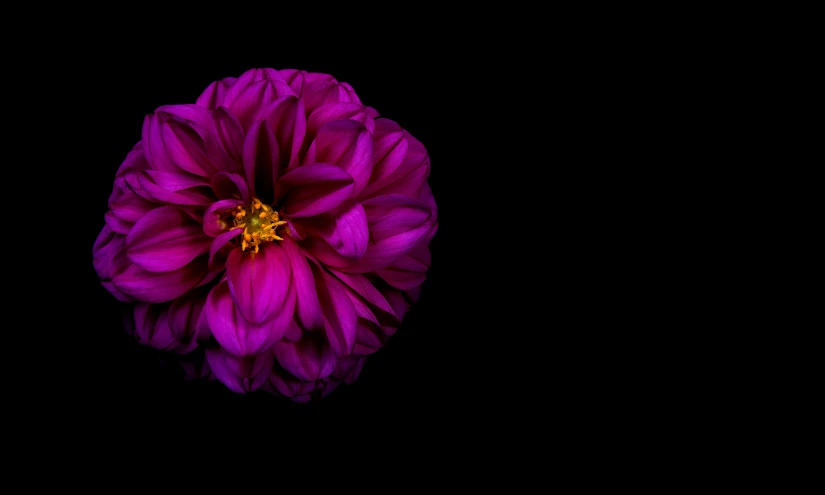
pixel 259 222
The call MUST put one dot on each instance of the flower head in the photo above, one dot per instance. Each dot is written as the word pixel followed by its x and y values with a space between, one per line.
pixel 277 226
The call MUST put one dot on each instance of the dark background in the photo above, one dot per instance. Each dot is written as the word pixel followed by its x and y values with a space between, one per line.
pixel 432 367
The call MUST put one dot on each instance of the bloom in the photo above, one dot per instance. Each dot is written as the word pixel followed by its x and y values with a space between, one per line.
pixel 277 226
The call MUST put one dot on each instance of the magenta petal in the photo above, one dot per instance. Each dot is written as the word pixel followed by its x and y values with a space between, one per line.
pixel 240 375
pixel 214 223
pixel 184 315
pixel 165 239
pixel 160 287
pixel 215 93
pixel 405 274
pixel 252 93
pixel 227 185
pixel 287 118
pixel 230 133
pixel 365 289
pixel 152 327
pixel 345 143
pixel 311 358
pixel 339 313
pixel 392 214
pixel 338 111
pixel 345 230
pixel 169 190
pixel 314 189
pixel 307 306
pixel 259 281
pixel 220 248
pixel 261 161
pixel 370 337
pixel 233 332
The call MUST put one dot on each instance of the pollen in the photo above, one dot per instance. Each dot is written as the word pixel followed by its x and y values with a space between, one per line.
pixel 260 223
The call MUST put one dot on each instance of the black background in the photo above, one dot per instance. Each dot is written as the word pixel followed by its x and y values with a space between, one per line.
pixel 430 370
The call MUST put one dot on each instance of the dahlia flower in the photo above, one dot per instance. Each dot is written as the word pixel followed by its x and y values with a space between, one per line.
pixel 275 232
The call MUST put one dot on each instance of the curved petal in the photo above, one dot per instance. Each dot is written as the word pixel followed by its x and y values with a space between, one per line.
pixel 314 189
pixel 339 314
pixel 230 133
pixel 261 161
pixel 307 306
pixel 345 143
pixel 327 91
pixel 259 281
pixel 165 239
pixel 165 187
pixel 214 223
pixel 215 93
pixel 240 375
pixel 152 326
pixel 287 118
pixel 184 316
pixel 337 111
pixel 220 248
pixel 160 287
pixel 311 358
pixel 236 334
pixel 365 289
pixel 346 230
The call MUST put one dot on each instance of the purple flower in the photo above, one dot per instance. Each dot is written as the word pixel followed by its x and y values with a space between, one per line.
pixel 277 226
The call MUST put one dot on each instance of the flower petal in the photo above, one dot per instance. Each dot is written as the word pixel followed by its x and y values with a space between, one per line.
pixel 152 326
pixel 310 190
pixel 220 248
pixel 345 143
pixel 184 317
pixel 259 281
pixel 307 305
pixel 154 287
pixel 311 358
pixel 337 111
pixel 230 133
pixel 240 375
pixel 236 334
pixel 365 289
pixel 344 229
pixel 261 161
pixel 213 220
pixel 165 239
pixel 339 314
pixel 215 93
pixel 287 118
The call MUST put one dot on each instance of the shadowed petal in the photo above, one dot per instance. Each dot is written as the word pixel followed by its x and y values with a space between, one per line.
pixel 235 333
pixel 365 289
pixel 260 161
pixel 337 111
pixel 259 281
pixel 215 93
pixel 287 118
pixel 311 358
pixel 314 189
pixel 345 143
pixel 230 133
pixel 230 186
pixel 220 248
pixel 214 223
pixel 344 229
pixel 165 239
pixel 307 306
pixel 160 287
pixel 339 313
pixel 240 375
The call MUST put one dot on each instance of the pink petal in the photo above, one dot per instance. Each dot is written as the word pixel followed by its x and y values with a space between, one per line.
pixel 233 332
pixel 369 338
pixel 220 248
pixel 365 289
pixel 339 313
pixel 184 314
pixel 261 161
pixel 391 215
pixel 169 189
pixel 308 307
pixel 165 239
pixel 152 327
pixel 259 281
pixel 215 93
pixel 240 375
pixel 344 229
pixel 160 287
pixel 337 111
pixel 345 143
pixel 214 223
pixel 311 358
pixel 287 118
pixel 230 133
pixel 314 189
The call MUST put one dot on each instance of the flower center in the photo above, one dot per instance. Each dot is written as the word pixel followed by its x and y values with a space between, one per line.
pixel 259 222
